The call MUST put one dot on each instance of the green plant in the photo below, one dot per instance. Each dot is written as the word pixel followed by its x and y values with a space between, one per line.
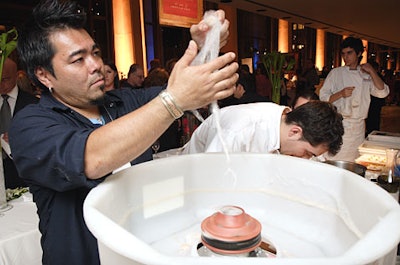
pixel 275 64
pixel 8 42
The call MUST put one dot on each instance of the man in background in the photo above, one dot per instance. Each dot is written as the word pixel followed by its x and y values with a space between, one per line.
pixel 309 77
pixel 135 77
pixel 349 88
pixel 12 100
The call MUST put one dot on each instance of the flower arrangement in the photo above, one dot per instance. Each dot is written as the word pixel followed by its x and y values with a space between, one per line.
pixel 12 194
pixel 276 63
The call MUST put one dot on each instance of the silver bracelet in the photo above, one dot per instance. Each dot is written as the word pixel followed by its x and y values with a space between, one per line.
pixel 169 103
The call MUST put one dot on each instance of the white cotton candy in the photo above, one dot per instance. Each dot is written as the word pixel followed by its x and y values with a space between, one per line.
pixel 210 49
pixel 209 52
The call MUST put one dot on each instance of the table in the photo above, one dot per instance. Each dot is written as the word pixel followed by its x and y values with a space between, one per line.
pixel 19 233
pixel 168 153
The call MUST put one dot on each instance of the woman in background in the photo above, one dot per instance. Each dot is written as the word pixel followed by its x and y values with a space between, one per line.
pixel 111 76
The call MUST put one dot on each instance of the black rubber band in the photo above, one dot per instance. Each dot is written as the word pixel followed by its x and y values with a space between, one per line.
pixel 232 246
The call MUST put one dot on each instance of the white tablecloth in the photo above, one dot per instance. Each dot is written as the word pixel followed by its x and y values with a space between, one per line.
pixel 168 153
pixel 19 233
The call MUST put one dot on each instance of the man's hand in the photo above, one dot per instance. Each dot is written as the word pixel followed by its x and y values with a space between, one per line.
pixel 376 79
pixel 195 86
pixel 367 68
pixel 199 31
pixel 347 91
pixel 239 92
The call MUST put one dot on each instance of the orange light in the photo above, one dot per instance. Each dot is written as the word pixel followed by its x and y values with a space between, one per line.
pixel 283 36
pixel 320 49
pixel 365 53
pixel 123 36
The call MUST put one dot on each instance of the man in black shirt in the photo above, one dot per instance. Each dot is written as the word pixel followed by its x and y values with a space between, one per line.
pixel 77 135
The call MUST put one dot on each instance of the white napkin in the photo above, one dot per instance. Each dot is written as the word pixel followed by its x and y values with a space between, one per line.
pixel 5 146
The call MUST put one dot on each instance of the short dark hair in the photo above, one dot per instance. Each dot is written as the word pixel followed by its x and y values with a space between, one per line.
pixel 305 93
pixel 34 47
pixel 354 43
pixel 134 67
pixel 157 77
pixel 321 124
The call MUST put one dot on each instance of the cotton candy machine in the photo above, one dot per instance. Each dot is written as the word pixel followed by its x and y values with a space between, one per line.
pixel 309 212
pixel 232 232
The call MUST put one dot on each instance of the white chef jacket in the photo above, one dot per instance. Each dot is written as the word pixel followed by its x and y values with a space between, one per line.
pixel 353 120
pixel 253 127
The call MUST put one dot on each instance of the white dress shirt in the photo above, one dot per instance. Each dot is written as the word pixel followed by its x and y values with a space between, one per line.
pixel 12 100
pixel 253 127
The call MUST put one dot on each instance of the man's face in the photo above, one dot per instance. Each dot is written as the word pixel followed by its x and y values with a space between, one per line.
pixel 8 77
pixel 136 78
pixel 293 144
pixel 350 57
pixel 78 78
pixel 302 149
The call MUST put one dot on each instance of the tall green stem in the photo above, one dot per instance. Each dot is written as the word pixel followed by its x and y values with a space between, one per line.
pixel 7 46
pixel 275 63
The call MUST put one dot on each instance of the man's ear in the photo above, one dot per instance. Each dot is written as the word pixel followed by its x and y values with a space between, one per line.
pixel 43 76
pixel 295 132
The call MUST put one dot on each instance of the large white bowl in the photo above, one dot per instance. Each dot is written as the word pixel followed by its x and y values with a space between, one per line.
pixel 313 213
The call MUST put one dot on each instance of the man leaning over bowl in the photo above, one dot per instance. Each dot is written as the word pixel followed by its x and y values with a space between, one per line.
pixel 307 131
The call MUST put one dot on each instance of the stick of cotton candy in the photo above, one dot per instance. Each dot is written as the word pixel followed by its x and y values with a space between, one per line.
pixel 209 52
pixel 210 49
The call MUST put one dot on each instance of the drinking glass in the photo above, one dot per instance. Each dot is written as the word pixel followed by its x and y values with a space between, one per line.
pixel 155 146
pixel 388 178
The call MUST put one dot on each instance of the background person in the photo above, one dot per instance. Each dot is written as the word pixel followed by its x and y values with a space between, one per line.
pixel 242 94
pixel 16 99
pixel 303 96
pixel 135 77
pixel 158 77
pixel 309 75
pixel 111 78
pixel 350 88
